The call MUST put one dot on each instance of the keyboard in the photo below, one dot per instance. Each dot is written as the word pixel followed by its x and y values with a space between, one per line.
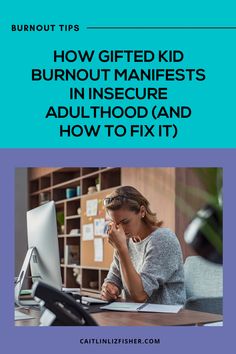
pixel 29 303
pixel 91 300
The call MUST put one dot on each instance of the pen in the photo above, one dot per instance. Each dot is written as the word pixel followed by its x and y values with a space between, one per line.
pixel 141 307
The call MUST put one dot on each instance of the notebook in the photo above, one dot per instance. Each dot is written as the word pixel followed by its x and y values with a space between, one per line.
pixel 141 307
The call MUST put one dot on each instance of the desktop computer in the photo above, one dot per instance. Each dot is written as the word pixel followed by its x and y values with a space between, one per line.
pixel 43 260
pixel 43 250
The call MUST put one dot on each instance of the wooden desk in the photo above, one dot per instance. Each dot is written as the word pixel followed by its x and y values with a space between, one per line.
pixel 182 318
pixel 112 318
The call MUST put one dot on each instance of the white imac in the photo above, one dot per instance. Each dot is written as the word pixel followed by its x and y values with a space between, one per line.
pixel 43 250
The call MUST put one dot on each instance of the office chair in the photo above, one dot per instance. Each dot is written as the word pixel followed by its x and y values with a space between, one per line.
pixel 63 309
pixel 204 285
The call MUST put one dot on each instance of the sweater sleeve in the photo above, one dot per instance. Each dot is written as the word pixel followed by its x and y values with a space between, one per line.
pixel 161 261
pixel 114 275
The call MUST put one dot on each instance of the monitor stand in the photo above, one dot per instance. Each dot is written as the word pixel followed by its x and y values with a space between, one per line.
pixel 31 254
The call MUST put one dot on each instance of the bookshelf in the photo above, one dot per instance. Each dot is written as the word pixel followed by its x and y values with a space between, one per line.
pixel 71 189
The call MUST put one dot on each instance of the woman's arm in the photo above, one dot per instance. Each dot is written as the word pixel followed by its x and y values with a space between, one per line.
pixel 111 288
pixel 132 279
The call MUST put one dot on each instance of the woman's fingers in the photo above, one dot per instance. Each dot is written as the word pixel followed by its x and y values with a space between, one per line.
pixel 109 291
pixel 107 296
pixel 112 289
pixel 110 228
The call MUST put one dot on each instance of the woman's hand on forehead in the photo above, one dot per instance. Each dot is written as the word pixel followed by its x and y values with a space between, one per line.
pixel 117 237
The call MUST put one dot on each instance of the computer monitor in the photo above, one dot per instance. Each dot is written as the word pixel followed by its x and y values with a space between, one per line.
pixel 42 235
pixel 43 249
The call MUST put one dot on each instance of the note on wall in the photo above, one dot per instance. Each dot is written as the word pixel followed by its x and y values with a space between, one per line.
pixel 88 232
pixel 92 207
pixel 98 249
pixel 99 225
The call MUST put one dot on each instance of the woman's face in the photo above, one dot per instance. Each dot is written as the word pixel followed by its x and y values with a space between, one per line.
pixel 130 221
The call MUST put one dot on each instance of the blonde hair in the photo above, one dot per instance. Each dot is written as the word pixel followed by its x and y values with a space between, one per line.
pixel 130 198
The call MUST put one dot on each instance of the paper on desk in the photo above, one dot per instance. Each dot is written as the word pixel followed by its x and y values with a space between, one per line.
pixel 122 306
pixel 141 307
pixel 98 249
pixel 161 308
pixel 19 316
pixel 217 324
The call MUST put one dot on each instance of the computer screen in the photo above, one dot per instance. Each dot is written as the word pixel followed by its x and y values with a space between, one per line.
pixel 42 235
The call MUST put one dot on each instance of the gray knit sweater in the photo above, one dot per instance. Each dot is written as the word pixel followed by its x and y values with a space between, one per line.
pixel 158 260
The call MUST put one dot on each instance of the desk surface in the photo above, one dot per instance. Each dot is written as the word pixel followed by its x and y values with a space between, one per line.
pixel 112 318
pixel 182 318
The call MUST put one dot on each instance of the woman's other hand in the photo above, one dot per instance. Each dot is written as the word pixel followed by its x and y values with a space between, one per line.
pixel 110 291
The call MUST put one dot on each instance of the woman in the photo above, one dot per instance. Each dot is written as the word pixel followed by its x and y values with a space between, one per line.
pixel 147 261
